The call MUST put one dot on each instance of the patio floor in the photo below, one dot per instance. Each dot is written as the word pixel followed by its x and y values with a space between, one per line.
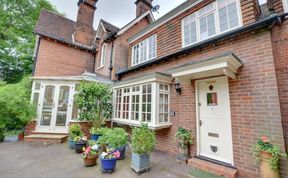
pixel 31 160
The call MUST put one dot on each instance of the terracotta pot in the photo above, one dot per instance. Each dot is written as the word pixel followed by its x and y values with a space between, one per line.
pixel 90 160
pixel 265 169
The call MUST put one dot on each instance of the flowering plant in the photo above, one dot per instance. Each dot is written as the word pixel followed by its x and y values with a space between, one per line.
pixel 89 151
pixel 264 145
pixel 109 154
pixel 79 139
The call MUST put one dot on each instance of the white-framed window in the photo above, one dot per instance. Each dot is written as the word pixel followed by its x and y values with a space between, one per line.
pixel 143 103
pixel 285 2
pixel 163 103
pixel 215 18
pixel 35 94
pixel 145 50
pixel 103 55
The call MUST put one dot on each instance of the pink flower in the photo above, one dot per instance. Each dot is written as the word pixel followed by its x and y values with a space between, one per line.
pixel 265 139
pixel 87 150
pixel 116 154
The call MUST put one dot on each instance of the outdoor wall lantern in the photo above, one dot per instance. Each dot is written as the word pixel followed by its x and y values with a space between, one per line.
pixel 178 87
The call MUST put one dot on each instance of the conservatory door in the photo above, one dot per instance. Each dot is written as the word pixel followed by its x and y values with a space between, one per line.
pixel 55 107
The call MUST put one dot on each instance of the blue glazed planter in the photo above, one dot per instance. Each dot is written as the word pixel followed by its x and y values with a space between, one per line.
pixel 140 162
pixel 95 137
pixel 71 144
pixel 108 164
pixel 11 138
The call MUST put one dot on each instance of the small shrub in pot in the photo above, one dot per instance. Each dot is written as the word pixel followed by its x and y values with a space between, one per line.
pixel 74 131
pixel 142 142
pixel 184 137
pixel 80 143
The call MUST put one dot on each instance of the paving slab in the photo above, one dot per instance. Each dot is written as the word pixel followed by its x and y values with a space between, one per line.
pixel 32 160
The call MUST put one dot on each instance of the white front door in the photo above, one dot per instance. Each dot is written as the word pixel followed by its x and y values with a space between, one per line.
pixel 55 107
pixel 214 119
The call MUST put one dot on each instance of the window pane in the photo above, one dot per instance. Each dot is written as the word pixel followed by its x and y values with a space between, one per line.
pixel 35 99
pixel 223 19
pixel 203 28
pixel 233 15
pixel 37 86
pixel 211 25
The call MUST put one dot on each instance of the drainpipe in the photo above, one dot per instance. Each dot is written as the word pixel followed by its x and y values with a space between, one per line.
pixel 36 50
pixel 111 60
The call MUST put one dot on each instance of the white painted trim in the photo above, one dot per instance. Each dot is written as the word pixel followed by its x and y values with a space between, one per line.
pixel 198 116
pixel 168 19
pixel 98 29
pixel 123 30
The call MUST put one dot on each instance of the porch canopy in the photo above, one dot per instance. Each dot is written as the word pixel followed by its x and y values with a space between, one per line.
pixel 224 64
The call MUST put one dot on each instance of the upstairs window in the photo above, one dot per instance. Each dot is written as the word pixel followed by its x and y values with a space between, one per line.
pixel 103 55
pixel 145 50
pixel 213 19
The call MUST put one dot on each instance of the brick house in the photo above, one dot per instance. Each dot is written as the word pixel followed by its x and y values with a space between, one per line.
pixel 218 68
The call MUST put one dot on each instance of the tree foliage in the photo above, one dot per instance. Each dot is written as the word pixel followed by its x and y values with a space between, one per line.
pixel 17 21
pixel 94 101
pixel 15 107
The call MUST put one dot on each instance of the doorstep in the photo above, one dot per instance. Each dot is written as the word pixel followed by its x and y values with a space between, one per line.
pixel 213 168
pixel 46 138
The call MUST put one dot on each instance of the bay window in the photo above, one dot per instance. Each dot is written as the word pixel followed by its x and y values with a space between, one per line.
pixel 145 50
pixel 213 19
pixel 142 103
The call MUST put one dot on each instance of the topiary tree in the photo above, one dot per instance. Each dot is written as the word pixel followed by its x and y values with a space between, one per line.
pixel 94 101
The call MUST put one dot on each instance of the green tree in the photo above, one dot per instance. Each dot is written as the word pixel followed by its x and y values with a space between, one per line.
pixel 94 101
pixel 15 107
pixel 17 21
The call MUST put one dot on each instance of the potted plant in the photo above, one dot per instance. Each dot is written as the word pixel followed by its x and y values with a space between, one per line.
pixel 269 156
pixel 142 143
pixel 115 138
pixel 108 160
pixel 184 137
pixel 96 133
pixel 12 136
pixel 74 131
pixel 94 103
pixel 80 143
pixel 90 156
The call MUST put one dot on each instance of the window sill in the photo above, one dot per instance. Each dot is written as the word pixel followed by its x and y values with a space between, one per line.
pixel 98 68
pixel 138 124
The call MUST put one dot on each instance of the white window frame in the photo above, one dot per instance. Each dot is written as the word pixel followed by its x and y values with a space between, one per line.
pixel 285 4
pixel 155 95
pixel 103 55
pixel 217 24
pixel 147 50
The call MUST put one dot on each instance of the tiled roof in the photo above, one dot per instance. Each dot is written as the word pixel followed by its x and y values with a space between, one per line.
pixel 56 27
pixel 109 27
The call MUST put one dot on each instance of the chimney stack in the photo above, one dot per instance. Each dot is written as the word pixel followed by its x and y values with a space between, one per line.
pixel 84 32
pixel 143 6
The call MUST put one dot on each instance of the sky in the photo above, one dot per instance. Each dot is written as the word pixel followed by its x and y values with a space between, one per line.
pixel 117 12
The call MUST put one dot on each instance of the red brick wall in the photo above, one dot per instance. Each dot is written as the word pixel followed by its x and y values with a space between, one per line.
pixel 255 106
pixel 278 6
pixel 30 127
pixel 280 50
pixel 169 35
pixel 58 59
